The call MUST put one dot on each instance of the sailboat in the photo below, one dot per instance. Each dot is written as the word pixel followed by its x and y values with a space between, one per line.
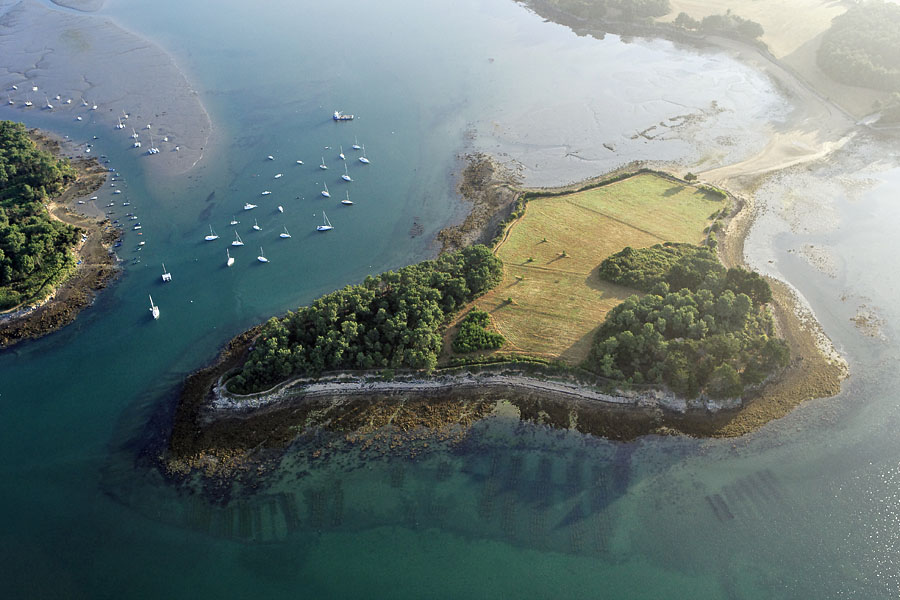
pixel 166 276
pixel 256 225
pixel 280 208
pixel 28 101
pixel 326 224
pixel 322 164
pixel 230 260
pixel 249 206
pixel 325 192
pixel 233 221
pixel 341 155
pixel 9 100
pixel 237 240
pixel 279 175
pixel 299 162
pixel 355 144
pixel 134 134
pixel 348 201
pixel 212 235
pixel 284 235
pixel 346 175
pixel 120 124
pixel 154 309
pixel 262 257
pixel 363 158
pixel 266 193
pixel 48 106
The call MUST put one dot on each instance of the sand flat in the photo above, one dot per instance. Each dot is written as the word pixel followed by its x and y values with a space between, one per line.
pixel 89 56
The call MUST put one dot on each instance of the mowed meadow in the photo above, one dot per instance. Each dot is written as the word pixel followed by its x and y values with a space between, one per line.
pixel 551 300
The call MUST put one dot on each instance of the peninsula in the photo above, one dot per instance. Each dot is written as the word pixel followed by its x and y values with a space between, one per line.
pixel 602 307
pixel 52 258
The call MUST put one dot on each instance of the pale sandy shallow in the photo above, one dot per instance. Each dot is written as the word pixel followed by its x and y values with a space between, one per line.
pixel 90 57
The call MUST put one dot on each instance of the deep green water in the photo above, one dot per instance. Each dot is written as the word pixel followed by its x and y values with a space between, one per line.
pixel 806 508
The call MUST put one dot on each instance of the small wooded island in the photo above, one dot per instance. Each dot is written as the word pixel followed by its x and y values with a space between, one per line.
pixel 603 307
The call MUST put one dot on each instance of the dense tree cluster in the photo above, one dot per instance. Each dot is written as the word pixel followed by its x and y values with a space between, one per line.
pixel 727 24
pixel 862 47
pixel 681 266
pixel 713 335
pixel 614 10
pixel 473 334
pixel 390 321
pixel 34 249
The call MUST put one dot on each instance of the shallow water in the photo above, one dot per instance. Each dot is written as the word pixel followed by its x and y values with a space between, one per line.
pixel 807 507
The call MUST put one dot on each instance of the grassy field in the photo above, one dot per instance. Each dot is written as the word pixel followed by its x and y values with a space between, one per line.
pixel 552 252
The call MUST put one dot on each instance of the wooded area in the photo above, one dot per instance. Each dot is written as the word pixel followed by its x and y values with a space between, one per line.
pixel 713 335
pixel 34 249
pixel 862 47
pixel 390 321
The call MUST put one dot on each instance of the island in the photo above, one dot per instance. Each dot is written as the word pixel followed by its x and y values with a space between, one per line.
pixel 52 258
pixel 603 307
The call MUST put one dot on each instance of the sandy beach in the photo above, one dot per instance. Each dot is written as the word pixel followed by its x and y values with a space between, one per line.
pixel 78 61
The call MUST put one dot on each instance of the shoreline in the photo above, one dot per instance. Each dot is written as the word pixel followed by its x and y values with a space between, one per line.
pixel 96 268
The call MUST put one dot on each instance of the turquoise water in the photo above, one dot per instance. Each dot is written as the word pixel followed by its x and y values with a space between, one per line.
pixel 807 507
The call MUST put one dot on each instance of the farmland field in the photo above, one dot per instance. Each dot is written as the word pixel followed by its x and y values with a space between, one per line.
pixel 551 255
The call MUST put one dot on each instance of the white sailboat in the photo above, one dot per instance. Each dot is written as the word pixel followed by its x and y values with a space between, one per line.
pixel 347 201
pixel 322 164
pixel 154 309
pixel 256 225
pixel 120 124
pixel 279 175
pixel 48 106
pixel 270 157
pixel 326 224
pixel 341 155
pixel 212 235
pixel 265 193
pixel 249 206
pixel 299 162
pixel 9 100
pixel 233 221
pixel 363 158
pixel 166 276
pixel 284 235
pixel 355 144
pixel 230 259
pixel 28 102
pixel 346 175
pixel 325 192
pixel 134 134
pixel 262 257
pixel 280 208
pixel 237 240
